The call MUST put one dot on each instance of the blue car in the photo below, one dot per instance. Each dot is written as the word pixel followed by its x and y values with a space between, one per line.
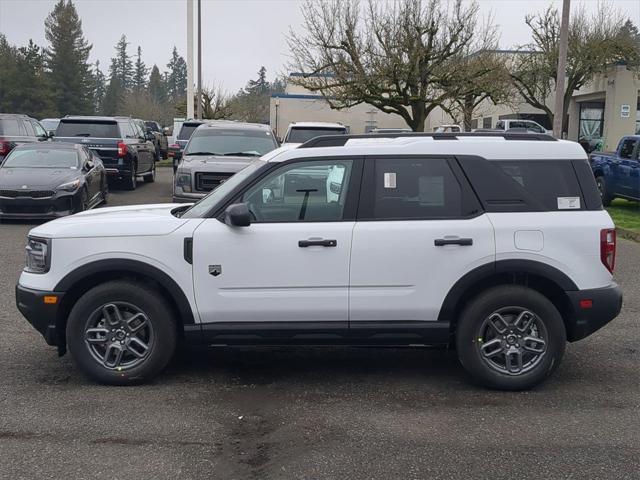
pixel 618 173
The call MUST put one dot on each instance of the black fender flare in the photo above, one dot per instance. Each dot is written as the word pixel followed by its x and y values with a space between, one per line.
pixel 134 267
pixel 520 266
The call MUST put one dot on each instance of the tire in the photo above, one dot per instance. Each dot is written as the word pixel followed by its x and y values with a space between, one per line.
pixel 121 360
pixel 482 350
pixel 105 192
pixel 130 182
pixel 157 154
pixel 150 177
pixel 604 194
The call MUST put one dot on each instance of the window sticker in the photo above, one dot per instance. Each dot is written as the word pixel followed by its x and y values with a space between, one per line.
pixel 568 203
pixel 390 180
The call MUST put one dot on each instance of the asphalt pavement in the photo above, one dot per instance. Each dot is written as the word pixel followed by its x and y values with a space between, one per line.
pixel 314 413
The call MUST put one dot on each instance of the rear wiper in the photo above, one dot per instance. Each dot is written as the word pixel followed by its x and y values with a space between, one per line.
pixel 82 135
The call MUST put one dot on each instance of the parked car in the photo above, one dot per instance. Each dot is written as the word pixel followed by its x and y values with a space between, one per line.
pixel 16 129
pixel 618 173
pixel 117 141
pixel 176 149
pixel 161 142
pixel 499 249
pixel 522 125
pixel 216 151
pixel 149 137
pixel 300 132
pixel 50 125
pixel 50 180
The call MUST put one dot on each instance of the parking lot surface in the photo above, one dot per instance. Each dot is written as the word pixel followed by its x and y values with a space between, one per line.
pixel 337 413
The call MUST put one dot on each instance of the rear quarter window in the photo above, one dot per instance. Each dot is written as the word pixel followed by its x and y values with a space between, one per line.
pixel 525 185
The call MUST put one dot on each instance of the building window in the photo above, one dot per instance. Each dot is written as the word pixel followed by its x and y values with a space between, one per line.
pixel 591 120
pixel 486 122
pixel 474 123
pixel 638 119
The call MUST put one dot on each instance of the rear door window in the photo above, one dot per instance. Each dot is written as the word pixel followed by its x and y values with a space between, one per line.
pixel 71 128
pixel 28 128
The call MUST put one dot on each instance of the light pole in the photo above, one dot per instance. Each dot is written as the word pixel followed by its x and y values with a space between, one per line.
pixel 199 104
pixel 277 104
pixel 558 112
pixel 189 59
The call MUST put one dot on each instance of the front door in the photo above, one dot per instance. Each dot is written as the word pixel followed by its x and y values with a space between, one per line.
pixel 419 231
pixel 292 263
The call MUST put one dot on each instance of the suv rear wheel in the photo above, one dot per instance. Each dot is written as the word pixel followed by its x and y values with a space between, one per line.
pixel 130 182
pixel 121 333
pixel 510 338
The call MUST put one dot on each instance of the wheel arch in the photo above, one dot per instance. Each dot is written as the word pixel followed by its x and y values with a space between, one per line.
pixel 79 281
pixel 544 278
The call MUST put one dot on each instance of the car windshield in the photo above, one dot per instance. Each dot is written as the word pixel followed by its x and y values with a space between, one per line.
pixel 208 202
pixel 152 126
pixel 230 141
pixel 303 134
pixel 186 130
pixel 70 128
pixel 42 158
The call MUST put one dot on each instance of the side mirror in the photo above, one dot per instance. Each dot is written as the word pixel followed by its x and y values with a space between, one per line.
pixel 88 165
pixel 237 215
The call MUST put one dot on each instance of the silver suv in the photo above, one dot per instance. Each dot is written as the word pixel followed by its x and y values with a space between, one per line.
pixel 217 150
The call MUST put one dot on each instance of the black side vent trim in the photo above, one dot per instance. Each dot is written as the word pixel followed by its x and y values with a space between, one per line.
pixel 188 250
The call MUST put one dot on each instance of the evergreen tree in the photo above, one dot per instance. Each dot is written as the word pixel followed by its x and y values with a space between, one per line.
pixel 176 77
pixel 66 58
pixel 261 85
pixel 113 98
pixel 156 86
pixel 139 73
pixel 121 65
pixel 99 88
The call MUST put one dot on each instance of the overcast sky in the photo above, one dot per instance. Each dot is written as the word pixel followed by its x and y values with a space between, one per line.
pixel 237 35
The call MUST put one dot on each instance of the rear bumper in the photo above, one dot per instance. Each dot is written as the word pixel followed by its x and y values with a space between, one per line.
pixel 42 316
pixel 606 304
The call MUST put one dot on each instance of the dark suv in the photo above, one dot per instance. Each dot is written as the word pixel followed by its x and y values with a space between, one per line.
pixel 120 144
pixel 16 129
pixel 160 138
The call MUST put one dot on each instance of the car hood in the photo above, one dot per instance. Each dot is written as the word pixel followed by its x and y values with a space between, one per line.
pixel 213 163
pixel 133 220
pixel 36 178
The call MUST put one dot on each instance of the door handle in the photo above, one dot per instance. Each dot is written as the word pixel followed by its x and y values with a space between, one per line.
pixel 317 243
pixel 441 242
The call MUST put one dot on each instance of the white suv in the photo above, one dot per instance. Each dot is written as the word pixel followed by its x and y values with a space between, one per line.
pixel 496 245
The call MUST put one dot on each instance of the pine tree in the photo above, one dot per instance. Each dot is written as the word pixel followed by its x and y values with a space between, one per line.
pixel 99 88
pixel 176 77
pixel 121 65
pixel 156 86
pixel 139 73
pixel 113 98
pixel 261 85
pixel 66 59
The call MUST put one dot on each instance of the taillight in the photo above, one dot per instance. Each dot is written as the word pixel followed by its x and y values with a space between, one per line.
pixel 608 248
pixel 122 149
pixel 4 148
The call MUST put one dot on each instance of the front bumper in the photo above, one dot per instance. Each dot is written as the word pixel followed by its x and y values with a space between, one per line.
pixel 605 305
pixel 187 197
pixel 59 205
pixel 40 314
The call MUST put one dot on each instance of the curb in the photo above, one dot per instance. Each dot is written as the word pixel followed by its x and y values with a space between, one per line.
pixel 628 234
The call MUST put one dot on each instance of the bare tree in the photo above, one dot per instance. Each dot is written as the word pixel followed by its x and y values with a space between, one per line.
pixel 594 44
pixel 397 57
pixel 215 103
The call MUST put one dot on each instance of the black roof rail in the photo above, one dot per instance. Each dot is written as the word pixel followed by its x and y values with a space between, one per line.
pixel 341 140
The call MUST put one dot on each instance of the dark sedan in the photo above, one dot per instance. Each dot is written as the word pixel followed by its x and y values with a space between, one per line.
pixel 42 181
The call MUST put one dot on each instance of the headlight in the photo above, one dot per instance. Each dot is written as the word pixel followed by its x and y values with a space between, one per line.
pixel 38 255
pixel 70 186
pixel 183 180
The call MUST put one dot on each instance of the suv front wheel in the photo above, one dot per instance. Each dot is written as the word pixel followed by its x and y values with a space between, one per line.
pixel 121 333
pixel 510 338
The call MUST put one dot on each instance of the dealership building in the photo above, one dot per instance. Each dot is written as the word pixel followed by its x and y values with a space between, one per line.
pixel 606 108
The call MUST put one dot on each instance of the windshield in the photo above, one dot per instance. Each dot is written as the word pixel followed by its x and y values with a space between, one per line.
pixel 42 158
pixel 186 130
pixel 87 129
pixel 50 124
pixel 303 134
pixel 208 202
pixel 153 126
pixel 229 141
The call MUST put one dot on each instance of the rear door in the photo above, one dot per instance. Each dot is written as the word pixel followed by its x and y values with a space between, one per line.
pixel 419 230
pixel 626 168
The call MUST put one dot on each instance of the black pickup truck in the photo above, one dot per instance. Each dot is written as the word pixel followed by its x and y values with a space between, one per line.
pixel 122 147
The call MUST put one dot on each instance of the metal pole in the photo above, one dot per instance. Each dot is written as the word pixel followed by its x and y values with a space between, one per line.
pixel 558 111
pixel 189 59
pixel 199 61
